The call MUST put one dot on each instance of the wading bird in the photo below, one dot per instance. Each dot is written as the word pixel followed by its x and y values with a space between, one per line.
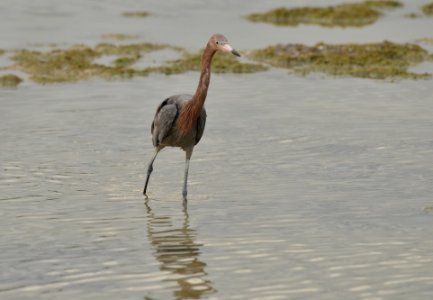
pixel 179 120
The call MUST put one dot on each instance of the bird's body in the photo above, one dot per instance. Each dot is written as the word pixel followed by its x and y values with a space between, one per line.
pixel 164 130
pixel 180 120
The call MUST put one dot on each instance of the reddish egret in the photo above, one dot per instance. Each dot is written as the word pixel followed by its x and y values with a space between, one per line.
pixel 179 120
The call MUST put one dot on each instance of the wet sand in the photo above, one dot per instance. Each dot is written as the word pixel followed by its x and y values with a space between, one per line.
pixel 301 188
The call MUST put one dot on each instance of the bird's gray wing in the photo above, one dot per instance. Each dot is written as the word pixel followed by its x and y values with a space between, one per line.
pixel 163 103
pixel 201 122
pixel 165 117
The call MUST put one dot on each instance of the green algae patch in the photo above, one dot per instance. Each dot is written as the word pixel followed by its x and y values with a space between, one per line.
pixel 126 61
pixel 384 60
pixel 427 9
pixel 128 49
pixel 412 15
pixel 342 15
pixel 57 65
pixel 77 63
pixel 10 80
pixel 222 63
pixel 2 52
pixel 136 14
pixel 383 4
pixel 428 209
pixel 425 40
pixel 119 36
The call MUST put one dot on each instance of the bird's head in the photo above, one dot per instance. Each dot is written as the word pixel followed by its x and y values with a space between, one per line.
pixel 220 43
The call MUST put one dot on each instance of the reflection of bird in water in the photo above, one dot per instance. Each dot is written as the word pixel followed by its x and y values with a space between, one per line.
pixel 178 253
pixel 179 120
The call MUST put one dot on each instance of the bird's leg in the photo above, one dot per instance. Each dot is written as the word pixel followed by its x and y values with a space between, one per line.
pixel 149 171
pixel 185 178
pixel 185 181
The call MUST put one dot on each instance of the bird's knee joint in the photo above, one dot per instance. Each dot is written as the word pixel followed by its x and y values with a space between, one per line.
pixel 149 170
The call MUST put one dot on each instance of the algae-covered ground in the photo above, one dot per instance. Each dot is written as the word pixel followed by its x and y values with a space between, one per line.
pixel 118 36
pixel 78 62
pixel 428 9
pixel 10 80
pixel 384 60
pixel 136 14
pixel 426 40
pixel 341 15
pixel 220 64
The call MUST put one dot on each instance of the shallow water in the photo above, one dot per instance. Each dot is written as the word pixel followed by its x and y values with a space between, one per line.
pixel 301 188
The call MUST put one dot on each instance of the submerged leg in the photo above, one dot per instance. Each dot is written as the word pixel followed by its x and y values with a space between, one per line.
pixel 149 171
pixel 185 178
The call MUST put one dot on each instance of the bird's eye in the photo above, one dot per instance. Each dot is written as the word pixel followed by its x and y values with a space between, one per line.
pixel 217 43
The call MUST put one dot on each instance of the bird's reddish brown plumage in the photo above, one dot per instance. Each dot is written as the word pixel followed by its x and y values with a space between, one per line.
pixel 192 109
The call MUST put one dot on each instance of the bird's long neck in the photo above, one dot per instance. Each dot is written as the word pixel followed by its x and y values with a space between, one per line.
pixel 203 85
pixel 192 109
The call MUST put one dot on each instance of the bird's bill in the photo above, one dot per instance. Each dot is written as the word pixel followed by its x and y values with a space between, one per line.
pixel 229 48
pixel 234 52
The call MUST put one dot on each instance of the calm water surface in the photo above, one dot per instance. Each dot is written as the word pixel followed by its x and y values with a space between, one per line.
pixel 301 188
